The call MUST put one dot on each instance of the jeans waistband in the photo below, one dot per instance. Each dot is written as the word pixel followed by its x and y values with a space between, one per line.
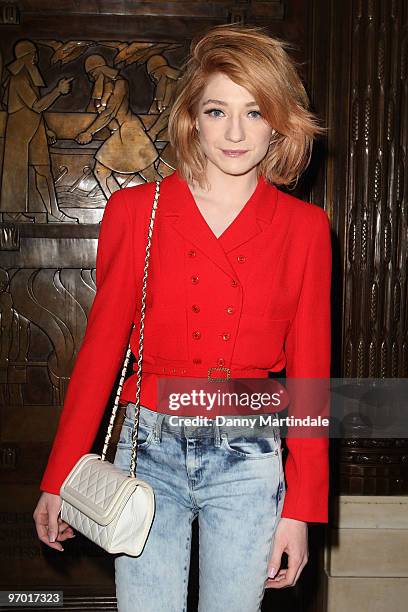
pixel 251 425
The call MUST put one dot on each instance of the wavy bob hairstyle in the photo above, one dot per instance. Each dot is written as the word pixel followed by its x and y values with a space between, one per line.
pixel 260 63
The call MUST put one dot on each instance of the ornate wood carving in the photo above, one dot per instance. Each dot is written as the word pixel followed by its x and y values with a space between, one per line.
pixel 366 189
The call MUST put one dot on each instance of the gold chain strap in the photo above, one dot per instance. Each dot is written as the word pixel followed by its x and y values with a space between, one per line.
pixel 132 469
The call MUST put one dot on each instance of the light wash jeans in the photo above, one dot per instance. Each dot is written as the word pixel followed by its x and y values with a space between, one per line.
pixel 233 482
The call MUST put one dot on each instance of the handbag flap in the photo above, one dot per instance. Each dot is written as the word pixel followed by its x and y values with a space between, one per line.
pixel 98 488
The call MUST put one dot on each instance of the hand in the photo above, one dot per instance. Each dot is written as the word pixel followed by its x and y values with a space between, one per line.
pixel 291 537
pixel 48 523
pixel 64 85
pixel 84 137
pixel 51 137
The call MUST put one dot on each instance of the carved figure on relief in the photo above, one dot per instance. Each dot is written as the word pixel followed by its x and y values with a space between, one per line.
pixel 129 149
pixel 27 137
pixel 165 78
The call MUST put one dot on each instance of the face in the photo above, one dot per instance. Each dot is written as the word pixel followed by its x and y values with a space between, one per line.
pixel 233 135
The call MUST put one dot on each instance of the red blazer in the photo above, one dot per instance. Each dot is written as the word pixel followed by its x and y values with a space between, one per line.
pixel 258 296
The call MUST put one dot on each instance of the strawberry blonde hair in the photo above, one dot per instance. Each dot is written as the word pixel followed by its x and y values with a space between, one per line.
pixel 260 63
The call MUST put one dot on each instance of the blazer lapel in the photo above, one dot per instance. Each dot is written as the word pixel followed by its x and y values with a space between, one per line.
pixel 183 213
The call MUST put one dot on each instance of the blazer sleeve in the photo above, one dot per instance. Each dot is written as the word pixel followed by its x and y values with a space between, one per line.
pixel 308 349
pixel 103 347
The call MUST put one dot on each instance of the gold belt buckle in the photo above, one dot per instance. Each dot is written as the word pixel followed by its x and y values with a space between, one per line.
pixel 227 370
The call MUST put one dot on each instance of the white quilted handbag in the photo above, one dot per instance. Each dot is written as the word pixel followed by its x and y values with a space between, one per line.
pixel 105 504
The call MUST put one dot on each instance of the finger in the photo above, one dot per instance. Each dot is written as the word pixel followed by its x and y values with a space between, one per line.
pixel 67 535
pixel 302 565
pixel 293 567
pixel 272 582
pixel 55 545
pixel 64 528
pixel 279 576
pixel 52 526
pixel 275 560
pixel 288 579
pixel 287 576
pixel 276 583
pixel 41 522
pixel 68 532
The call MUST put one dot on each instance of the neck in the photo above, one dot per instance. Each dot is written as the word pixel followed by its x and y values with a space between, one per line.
pixel 228 187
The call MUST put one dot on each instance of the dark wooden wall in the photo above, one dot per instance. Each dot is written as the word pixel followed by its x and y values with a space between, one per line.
pixel 354 58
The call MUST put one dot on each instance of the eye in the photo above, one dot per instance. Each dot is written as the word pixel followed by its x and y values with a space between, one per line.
pixel 213 110
pixel 254 114
pixel 217 110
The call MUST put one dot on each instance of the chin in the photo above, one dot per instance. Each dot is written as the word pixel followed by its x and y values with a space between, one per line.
pixel 238 172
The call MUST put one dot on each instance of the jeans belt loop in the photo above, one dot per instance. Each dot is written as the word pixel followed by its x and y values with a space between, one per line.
pixel 217 438
pixel 158 427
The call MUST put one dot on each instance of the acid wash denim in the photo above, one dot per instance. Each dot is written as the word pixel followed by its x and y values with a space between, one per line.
pixel 233 483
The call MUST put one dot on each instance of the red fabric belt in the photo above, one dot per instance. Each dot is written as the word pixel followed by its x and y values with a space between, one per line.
pixel 201 371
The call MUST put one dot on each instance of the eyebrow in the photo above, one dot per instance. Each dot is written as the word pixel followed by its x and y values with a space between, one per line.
pixel 221 103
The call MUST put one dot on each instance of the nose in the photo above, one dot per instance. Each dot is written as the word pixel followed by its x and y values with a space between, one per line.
pixel 235 131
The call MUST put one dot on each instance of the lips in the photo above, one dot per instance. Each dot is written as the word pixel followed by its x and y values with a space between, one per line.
pixel 234 152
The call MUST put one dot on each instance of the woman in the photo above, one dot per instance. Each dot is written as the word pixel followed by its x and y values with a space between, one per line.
pixel 239 282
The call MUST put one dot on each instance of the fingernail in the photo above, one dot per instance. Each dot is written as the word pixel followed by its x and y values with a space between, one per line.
pixel 51 537
pixel 272 573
